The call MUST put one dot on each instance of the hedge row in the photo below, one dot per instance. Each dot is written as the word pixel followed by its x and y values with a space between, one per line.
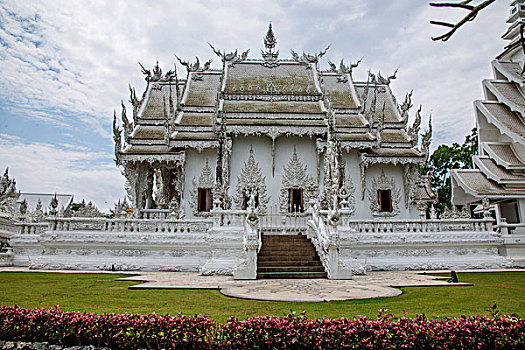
pixel 130 331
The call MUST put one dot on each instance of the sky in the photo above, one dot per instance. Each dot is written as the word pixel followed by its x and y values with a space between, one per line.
pixel 66 65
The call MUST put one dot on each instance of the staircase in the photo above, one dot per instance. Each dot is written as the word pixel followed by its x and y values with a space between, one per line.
pixel 288 256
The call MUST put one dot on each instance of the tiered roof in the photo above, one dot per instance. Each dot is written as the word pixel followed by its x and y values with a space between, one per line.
pixel 269 96
pixel 500 166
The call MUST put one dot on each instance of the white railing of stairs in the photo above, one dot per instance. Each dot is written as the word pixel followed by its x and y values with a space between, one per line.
pixel 252 242
pixel 325 238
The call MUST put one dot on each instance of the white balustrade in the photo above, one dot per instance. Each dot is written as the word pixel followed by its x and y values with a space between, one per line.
pixel 384 225
pixel 128 225
pixel 32 228
pixel 231 218
pixel 506 228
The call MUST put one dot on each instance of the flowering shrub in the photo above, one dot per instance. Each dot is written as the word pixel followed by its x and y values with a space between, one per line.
pixel 129 331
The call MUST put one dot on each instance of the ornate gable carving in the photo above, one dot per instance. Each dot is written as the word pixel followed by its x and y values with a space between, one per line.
pixel 252 182
pixel 295 177
pixel 205 181
pixel 384 183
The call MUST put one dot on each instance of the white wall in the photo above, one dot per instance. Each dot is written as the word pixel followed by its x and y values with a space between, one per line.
pixel 195 162
pixel 262 150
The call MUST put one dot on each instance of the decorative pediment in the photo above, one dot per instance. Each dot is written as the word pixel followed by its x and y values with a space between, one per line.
pixel 251 182
pixel 295 177
pixel 205 181
pixel 384 183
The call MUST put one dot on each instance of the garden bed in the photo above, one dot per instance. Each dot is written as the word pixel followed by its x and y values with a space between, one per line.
pixel 135 331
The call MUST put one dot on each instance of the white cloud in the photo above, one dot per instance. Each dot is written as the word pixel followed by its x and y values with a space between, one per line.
pixel 46 168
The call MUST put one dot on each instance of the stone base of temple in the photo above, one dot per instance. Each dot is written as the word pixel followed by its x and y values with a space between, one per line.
pixel 127 251
pixel 460 249
pixel 513 248
pixel 351 247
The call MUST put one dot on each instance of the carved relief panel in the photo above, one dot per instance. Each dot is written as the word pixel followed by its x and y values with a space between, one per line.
pixel 296 183
pixel 384 196
pixel 201 198
pixel 251 181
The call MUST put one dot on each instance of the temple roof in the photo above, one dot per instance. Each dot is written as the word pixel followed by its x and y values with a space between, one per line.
pixel 268 96
pixel 500 168
pixel 507 93
pixel 270 107
pixel 474 182
pixel 496 172
pixel 504 154
pixel 288 78
pixel 341 91
pixel 201 89
pixel 502 116
pixel 510 70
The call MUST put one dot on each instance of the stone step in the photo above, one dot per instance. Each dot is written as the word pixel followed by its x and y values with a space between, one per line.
pixel 286 256
pixel 290 275
pixel 284 237
pixel 278 263
pixel 288 248
pixel 291 269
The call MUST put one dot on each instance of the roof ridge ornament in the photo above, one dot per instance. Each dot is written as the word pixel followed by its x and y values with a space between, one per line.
pixel 270 56
pixel 307 58
pixel 427 137
pixel 232 56
pixel 387 80
pixel 190 67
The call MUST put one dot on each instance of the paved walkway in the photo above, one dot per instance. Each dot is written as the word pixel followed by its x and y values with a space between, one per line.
pixel 374 285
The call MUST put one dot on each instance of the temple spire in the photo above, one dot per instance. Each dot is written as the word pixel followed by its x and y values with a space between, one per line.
pixel 270 40
pixel 270 56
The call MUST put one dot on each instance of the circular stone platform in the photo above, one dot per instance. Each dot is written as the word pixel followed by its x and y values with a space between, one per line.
pixel 309 290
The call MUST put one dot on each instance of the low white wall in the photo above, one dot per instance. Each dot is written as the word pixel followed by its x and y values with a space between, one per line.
pixel 125 245
pixel 423 245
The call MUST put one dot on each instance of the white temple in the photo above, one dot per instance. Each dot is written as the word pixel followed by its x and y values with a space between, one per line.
pixel 498 178
pixel 280 129
pixel 267 168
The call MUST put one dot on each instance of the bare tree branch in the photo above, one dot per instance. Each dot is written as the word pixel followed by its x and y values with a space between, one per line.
pixel 473 12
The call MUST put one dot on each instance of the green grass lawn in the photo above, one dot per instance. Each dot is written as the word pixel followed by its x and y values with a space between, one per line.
pixel 100 293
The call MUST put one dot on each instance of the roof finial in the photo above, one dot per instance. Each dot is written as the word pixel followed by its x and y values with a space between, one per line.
pixel 270 40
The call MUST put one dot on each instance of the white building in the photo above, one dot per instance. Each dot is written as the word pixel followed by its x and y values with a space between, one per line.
pixel 281 129
pixel 498 176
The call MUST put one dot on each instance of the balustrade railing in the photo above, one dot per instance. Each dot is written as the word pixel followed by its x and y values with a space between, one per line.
pixel 232 218
pixel 274 221
pixel 415 225
pixel 118 225
pixel 509 229
pixel 32 228
pixel 271 222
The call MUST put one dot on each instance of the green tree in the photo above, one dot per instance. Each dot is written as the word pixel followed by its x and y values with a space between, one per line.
pixel 446 158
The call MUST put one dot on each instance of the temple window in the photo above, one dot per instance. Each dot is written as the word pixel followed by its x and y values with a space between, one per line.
pixel 295 200
pixel 385 200
pixel 205 199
